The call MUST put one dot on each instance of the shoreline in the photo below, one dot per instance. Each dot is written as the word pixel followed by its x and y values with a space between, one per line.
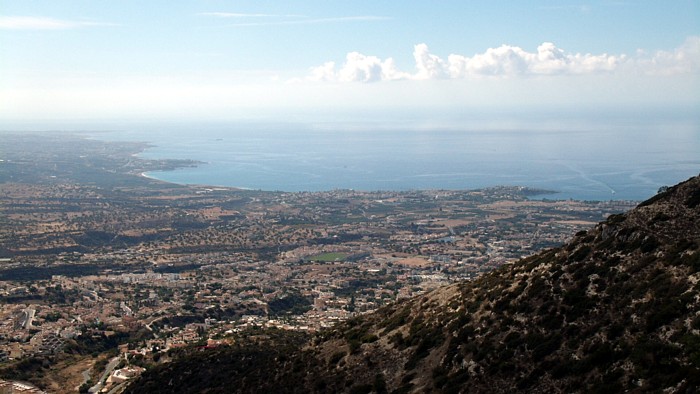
pixel 149 169
pixel 284 179
pixel 529 193
pixel 207 187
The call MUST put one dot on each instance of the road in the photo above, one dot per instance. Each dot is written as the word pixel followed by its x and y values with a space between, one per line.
pixel 108 370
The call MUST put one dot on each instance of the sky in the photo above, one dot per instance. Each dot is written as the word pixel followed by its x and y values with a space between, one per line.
pixel 318 60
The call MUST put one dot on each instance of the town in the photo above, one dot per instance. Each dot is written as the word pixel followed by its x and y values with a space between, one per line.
pixel 104 274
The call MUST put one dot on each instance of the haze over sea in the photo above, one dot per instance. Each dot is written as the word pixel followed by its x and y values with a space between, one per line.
pixel 616 159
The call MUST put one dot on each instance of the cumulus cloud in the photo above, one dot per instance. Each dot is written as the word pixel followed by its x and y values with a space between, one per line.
pixel 325 72
pixel 428 65
pixel 683 60
pixel 43 23
pixel 359 68
pixel 510 61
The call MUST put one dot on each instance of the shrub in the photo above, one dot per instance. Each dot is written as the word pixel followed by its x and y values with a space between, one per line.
pixel 368 338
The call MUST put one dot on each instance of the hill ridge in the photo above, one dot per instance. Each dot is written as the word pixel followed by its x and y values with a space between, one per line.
pixel 617 308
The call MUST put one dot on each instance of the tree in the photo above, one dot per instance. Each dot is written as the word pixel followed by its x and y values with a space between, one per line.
pixel 85 387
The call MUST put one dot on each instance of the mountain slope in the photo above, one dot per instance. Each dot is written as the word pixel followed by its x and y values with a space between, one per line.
pixel 617 308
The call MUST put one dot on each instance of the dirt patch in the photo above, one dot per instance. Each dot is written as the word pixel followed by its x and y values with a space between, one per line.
pixel 67 375
pixel 456 222
pixel 576 222
pixel 414 262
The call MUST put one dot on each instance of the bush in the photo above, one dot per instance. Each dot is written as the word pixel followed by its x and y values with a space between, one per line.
pixel 581 253
pixel 616 218
pixel 546 347
pixel 397 319
pixel 368 338
pixel 361 389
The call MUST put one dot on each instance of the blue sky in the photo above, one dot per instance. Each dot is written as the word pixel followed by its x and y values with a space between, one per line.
pixel 229 60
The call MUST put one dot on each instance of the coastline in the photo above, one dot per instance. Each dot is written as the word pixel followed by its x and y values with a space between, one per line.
pixel 206 187
pixel 300 163
pixel 282 170
pixel 530 192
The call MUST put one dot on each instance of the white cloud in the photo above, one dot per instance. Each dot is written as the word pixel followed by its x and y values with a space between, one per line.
pixel 506 61
pixel 511 61
pixel 429 66
pixel 288 19
pixel 246 15
pixel 308 21
pixel 683 60
pixel 43 23
pixel 359 68
pixel 325 72
pixel 502 61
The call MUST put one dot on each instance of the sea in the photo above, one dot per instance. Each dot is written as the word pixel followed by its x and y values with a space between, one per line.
pixel 619 161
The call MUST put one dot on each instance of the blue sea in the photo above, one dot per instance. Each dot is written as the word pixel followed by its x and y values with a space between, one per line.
pixel 615 162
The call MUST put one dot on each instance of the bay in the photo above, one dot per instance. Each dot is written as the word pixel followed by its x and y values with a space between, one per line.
pixel 602 164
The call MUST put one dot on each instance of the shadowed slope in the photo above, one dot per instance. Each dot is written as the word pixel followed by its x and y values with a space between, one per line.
pixel 615 309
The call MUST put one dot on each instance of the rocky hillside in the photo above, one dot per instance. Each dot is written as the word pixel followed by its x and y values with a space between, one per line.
pixel 615 309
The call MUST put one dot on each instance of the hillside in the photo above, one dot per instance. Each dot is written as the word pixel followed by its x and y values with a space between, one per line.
pixel 615 309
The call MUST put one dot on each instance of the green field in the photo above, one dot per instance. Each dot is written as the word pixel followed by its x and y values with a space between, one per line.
pixel 328 257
